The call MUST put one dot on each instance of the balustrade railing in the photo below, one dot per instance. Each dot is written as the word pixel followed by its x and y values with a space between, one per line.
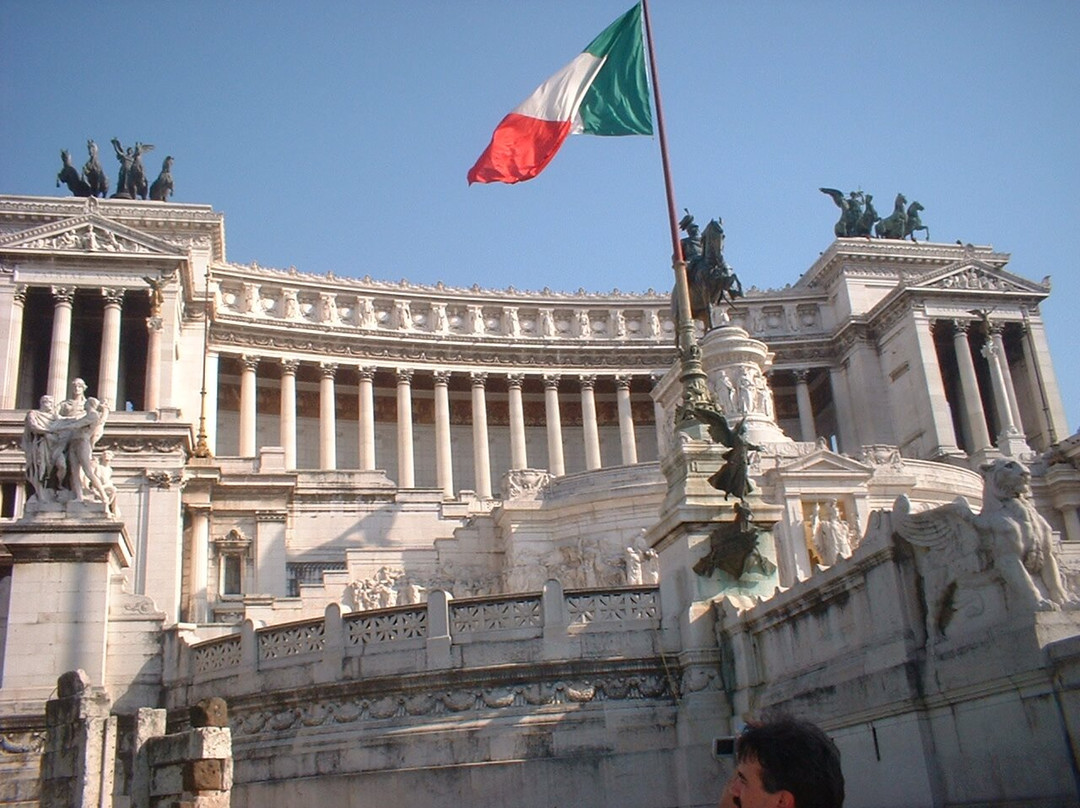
pixel 431 630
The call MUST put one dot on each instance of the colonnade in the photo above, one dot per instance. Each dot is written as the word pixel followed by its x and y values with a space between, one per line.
pixel 61 341
pixel 478 385
pixel 978 342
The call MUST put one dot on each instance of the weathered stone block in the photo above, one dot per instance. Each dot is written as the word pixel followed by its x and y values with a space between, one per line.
pixel 204 775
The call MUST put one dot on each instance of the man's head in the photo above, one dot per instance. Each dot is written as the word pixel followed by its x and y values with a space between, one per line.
pixel 786 763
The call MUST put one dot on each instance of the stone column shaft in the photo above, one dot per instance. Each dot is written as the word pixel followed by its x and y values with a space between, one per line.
pixel 366 404
pixel 288 411
pixel 518 453
pixel 1006 377
pixel 60 347
pixel 248 382
pixel 152 386
pixel 109 363
pixel 406 469
pixel 554 426
pixel 974 418
pixel 588 422
pixel 845 421
pixel 200 564
pixel 327 417
pixel 481 449
pixel 444 460
pixel 806 407
pixel 627 437
pixel 14 351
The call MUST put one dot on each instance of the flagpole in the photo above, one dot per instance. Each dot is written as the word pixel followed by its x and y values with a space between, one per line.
pixel 202 447
pixel 696 392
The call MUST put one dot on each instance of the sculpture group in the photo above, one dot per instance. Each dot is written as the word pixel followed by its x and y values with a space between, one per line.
pixel 59 444
pixel 132 182
pixel 959 553
pixel 858 218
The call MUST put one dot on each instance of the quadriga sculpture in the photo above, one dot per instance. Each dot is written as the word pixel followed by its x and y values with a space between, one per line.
pixel 959 551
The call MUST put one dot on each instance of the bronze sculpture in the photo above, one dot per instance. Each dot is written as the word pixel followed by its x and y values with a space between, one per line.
pixel 70 176
pixel 93 174
pixel 708 275
pixel 161 189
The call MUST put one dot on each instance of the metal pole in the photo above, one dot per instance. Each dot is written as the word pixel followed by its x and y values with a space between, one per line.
pixel 202 448
pixel 695 389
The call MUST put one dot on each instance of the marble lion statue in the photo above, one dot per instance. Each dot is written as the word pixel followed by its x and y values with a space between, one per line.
pixel 1007 540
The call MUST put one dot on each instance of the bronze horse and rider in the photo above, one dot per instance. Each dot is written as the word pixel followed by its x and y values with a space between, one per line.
pixel 708 276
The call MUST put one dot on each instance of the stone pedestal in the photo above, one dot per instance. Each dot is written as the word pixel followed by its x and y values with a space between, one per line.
pixel 63 558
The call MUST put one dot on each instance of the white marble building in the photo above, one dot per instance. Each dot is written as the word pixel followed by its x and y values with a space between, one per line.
pixel 287 447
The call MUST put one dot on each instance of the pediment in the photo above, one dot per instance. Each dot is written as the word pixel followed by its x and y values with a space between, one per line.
pixel 88 233
pixel 827 462
pixel 978 277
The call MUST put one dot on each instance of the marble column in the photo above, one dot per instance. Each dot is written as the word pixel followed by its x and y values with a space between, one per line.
pixel 996 335
pixel 152 386
pixel 556 466
pixel 366 408
pixel 518 453
pixel 200 563
pixel 588 422
pixel 481 449
pixel 850 442
pixel 934 412
pixel 14 350
pixel 406 469
pixel 288 410
pixel 248 380
pixel 1037 394
pixel 659 419
pixel 627 438
pixel 973 417
pixel 806 408
pixel 327 417
pixel 60 348
pixel 1050 393
pixel 1008 433
pixel 109 362
pixel 444 459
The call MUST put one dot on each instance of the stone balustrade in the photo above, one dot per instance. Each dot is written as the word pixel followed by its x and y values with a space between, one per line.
pixel 442 633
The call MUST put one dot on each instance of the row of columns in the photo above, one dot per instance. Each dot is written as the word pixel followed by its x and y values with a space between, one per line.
pixel 405 448
pixel 60 348
pixel 973 422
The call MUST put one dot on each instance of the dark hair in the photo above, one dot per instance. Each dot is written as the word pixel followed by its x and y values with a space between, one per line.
pixel 794 756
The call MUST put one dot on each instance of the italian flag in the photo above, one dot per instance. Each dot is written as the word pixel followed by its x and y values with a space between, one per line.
pixel 604 91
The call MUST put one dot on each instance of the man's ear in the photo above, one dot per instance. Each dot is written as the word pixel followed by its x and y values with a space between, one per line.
pixel 786 799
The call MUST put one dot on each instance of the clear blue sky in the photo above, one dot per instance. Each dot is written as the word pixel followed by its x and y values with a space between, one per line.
pixel 335 136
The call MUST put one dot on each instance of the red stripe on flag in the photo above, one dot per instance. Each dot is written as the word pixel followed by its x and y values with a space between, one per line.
pixel 520 148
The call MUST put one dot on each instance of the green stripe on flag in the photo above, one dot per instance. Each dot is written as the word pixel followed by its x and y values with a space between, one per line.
pixel 617 103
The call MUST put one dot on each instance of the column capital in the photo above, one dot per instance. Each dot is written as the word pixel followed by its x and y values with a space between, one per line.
pixel 802 375
pixel 622 381
pixel 154 324
pixel 19 295
pixel 551 381
pixel 113 297
pixel 328 369
pixel 588 381
pixel 63 294
pixel 404 375
pixel 995 329
pixel 366 372
pixel 289 366
pixel 442 377
pixel 250 361
pixel 478 378
pixel 962 327
pixel 515 380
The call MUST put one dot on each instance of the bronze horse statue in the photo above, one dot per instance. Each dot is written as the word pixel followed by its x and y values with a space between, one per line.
pixel 93 174
pixel 914 223
pixel 70 176
pixel 895 224
pixel 161 189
